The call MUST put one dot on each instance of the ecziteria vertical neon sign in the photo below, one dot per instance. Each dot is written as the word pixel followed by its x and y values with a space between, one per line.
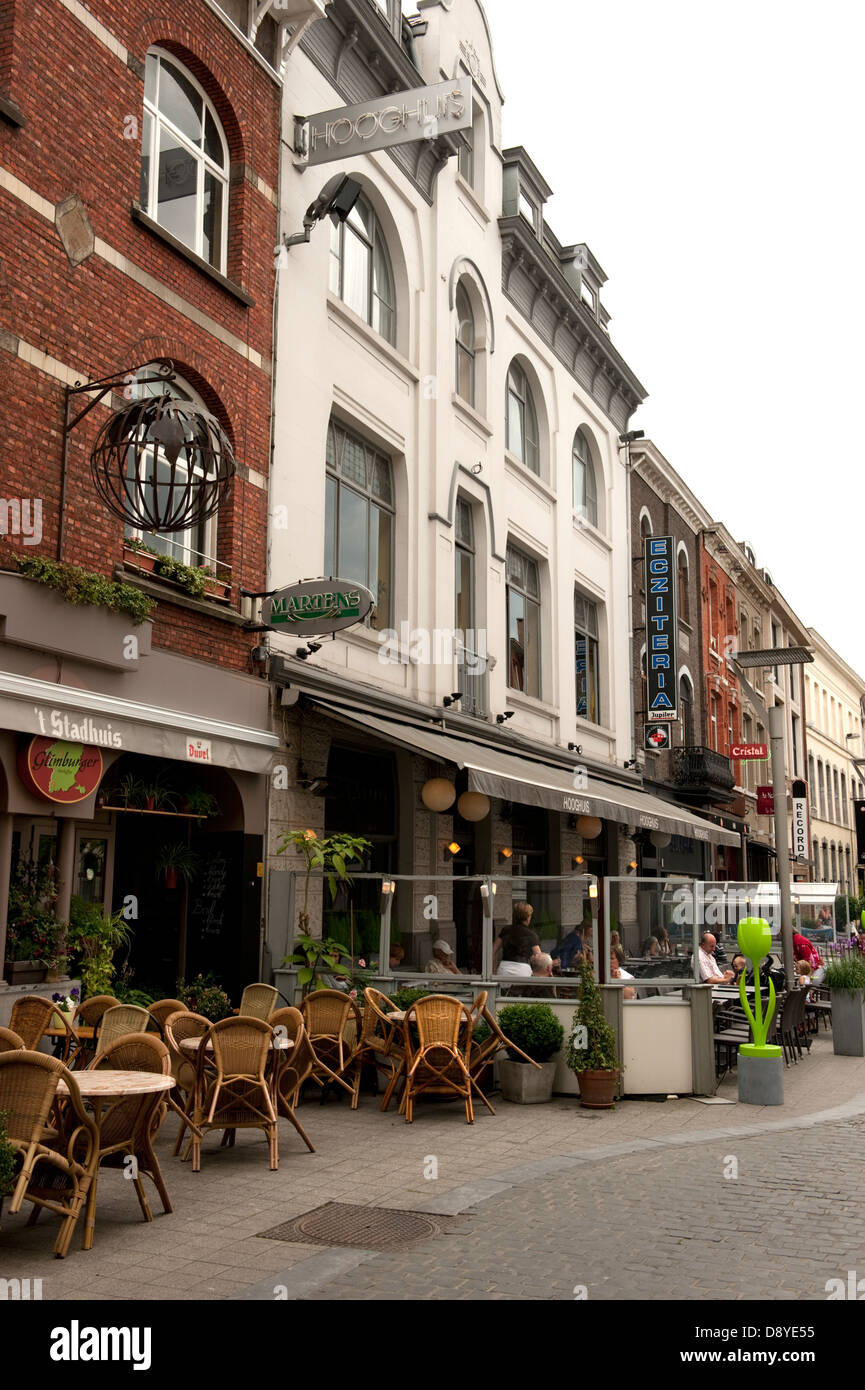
pixel 661 633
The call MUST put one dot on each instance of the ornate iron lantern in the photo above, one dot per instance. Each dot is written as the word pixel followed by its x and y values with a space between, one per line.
pixel 162 464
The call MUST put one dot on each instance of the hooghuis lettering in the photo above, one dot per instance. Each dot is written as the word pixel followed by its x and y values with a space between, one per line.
pixel 76 728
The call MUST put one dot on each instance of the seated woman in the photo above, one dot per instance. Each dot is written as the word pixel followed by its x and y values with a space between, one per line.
pixel 617 957
pixel 662 936
pixel 651 948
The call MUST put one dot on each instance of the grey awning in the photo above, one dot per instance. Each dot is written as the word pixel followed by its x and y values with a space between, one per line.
pixel 532 783
pixel 89 716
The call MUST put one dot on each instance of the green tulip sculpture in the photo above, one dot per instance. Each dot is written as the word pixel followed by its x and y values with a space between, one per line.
pixel 755 941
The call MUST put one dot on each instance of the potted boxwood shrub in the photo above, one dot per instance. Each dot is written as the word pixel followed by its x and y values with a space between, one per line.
pixel 535 1029
pixel 845 979
pixel 592 1048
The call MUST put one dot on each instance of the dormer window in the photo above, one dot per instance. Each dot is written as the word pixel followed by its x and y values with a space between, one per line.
pixel 528 210
pixel 588 296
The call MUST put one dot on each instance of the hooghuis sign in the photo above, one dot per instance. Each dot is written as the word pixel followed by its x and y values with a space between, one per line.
pixel 424 113
pixel 659 553
pixel 60 771
pixel 317 607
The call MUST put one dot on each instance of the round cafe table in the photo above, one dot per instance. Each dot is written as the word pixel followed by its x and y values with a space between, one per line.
pixel 97 1087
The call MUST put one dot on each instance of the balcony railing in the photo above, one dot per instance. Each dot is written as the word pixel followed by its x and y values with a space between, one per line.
pixel 698 768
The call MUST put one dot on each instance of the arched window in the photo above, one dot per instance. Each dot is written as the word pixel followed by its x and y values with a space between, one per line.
pixel 585 489
pixel 197 545
pixel 684 606
pixel 812 780
pixel 686 707
pixel 822 786
pixel 465 347
pixel 184 160
pixel 645 526
pixel 521 420
pixel 359 516
pixel 586 656
pixel 360 271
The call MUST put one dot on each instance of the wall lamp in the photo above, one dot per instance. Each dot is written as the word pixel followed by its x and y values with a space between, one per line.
pixel 388 886
pixel 452 699
pixel 309 650
pixel 335 200
pixel 631 436
pixel 593 888
pixel 631 762
pixel 578 861
pixel 575 748
pixel 632 866
pixel 485 890
pixel 500 718
pixel 451 851
pixel 506 854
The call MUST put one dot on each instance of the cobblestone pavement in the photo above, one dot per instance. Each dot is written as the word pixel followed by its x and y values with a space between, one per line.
pixel 629 1203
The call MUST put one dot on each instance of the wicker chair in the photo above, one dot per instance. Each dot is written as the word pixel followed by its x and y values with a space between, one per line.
pixel 51 1178
pixel 32 1016
pixel 437 1058
pixel 177 1027
pixel 328 1015
pixel 120 1020
pixel 162 1010
pixel 292 1066
pixel 258 1001
pixel 9 1041
pixel 233 1092
pixel 381 1037
pixel 90 1015
pixel 482 1053
pixel 129 1126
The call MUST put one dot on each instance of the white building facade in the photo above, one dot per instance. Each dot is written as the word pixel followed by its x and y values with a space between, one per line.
pixel 448 406
pixel 833 712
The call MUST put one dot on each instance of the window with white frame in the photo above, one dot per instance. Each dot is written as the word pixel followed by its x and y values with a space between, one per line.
pixel 184 160
pixel 360 269
pixel 359 516
pixel 585 485
pixel 197 544
pixel 586 658
pixel 465 346
pixel 524 623
pixel 521 420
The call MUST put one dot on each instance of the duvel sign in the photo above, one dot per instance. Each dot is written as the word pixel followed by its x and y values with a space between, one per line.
pixel 317 607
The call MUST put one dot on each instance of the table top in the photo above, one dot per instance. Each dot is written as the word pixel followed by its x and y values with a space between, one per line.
pixel 79 1032
pixel 117 1083
pixel 193 1044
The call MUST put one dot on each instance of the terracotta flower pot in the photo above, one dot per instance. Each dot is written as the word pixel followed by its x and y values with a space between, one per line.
pixel 171 879
pixel 139 558
pixel 598 1089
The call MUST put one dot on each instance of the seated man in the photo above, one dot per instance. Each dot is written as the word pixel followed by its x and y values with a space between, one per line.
pixel 542 968
pixel 710 973
pixel 571 946
pixel 442 962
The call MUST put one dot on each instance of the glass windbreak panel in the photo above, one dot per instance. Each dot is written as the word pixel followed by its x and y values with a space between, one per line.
pixel 652 922
pixel 437 929
pixel 176 194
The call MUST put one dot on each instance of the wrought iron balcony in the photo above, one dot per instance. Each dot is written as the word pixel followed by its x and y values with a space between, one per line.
pixel 702 771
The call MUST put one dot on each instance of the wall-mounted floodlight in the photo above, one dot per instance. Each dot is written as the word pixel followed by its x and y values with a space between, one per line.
pixel 335 200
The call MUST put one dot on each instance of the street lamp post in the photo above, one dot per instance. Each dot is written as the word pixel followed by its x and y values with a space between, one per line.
pixel 779 789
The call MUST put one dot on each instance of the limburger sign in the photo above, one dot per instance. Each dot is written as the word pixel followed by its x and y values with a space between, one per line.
pixel 424 113
pixel 662 686
pixel 317 607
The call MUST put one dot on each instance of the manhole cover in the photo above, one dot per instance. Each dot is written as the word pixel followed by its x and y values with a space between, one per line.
pixel 366 1228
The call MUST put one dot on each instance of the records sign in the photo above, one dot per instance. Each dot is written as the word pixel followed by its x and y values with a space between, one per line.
pixel 659 555
pixel 801 847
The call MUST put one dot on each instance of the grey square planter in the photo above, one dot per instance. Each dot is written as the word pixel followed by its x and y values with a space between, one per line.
pixel 848 1022
pixel 526 1085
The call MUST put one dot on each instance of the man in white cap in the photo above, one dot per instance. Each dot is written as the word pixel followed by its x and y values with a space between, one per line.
pixel 442 962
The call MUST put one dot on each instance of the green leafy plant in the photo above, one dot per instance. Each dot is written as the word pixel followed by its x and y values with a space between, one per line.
pixel 33 932
pixel 130 791
pixel 94 939
pixel 162 797
pixel 331 854
pixel 846 971
pixel 404 998
pixel 190 578
pixel 317 956
pixel 532 1027
pixel 79 586
pixel 8 1157
pixel 200 803
pixel 592 1042
pixel 176 858
pixel 204 996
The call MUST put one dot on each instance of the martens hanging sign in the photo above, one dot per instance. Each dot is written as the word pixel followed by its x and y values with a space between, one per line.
pixel 317 607
pixel 424 113
pixel 659 558
pixel 59 771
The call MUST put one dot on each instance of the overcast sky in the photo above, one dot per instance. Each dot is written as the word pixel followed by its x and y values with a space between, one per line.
pixel 712 158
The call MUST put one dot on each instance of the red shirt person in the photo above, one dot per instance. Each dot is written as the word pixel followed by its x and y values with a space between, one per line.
pixel 803 949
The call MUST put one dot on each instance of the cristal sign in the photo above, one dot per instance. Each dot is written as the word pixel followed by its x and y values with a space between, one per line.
pixel 317 607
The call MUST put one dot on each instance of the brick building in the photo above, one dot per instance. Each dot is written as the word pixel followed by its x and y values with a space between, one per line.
pixel 138 213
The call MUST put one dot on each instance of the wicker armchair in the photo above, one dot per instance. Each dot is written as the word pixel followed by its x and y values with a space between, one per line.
pixel 482 1053
pixel 55 1174
pixel 437 1057
pixel 120 1020
pixel 90 1015
pixel 234 1094
pixel 32 1016
pixel 177 1027
pixel 9 1041
pixel 292 1066
pixel 257 1001
pixel 382 1037
pixel 129 1126
pixel 161 1011
pixel 329 1015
